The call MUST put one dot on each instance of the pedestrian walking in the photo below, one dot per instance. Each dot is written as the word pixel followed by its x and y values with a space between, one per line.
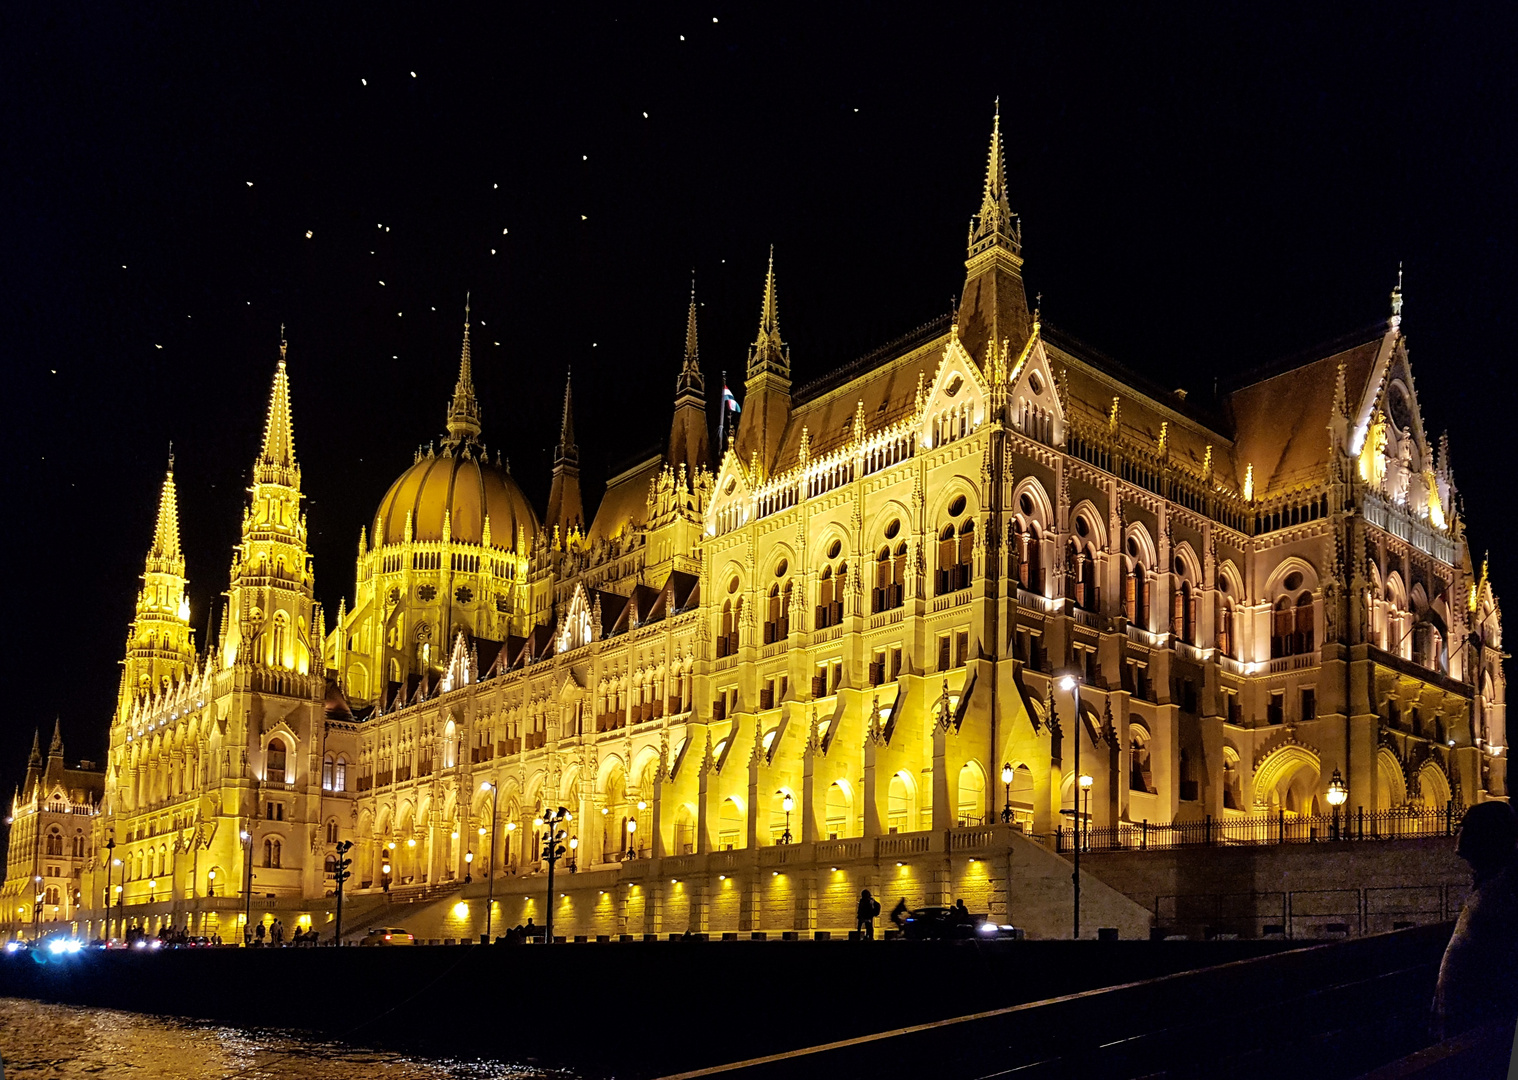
pixel 869 910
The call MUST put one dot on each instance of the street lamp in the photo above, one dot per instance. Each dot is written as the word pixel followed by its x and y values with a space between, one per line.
pixel 1072 685
pixel 788 803
pixel 632 846
pixel 495 793
pixel 553 848
pixel 1338 794
pixel 110 861
pixel 1085 783
pixel 341 872
pixel 247 915
pixel 1006 780
pixel 468 863
pixel 37 909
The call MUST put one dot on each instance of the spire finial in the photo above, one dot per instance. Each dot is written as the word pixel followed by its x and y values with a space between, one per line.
pixel 166 531
pixel 171 457
pixel 277 459
pixel 567 448
pixel 464 410
pixel 1396 299
pixel 769 352
pixel 995 224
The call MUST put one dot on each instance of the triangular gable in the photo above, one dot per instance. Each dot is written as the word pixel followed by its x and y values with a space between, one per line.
pixel 575 627
pixel 1370 393
pixel 956 402
pixel 1033 399
pixel 732 497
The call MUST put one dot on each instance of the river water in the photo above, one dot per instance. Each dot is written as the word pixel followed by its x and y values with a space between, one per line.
pixel 62 1042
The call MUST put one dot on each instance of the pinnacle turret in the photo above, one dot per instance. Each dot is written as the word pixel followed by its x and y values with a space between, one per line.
pixel 995 225
pixel 769 353
pixel 464 410
pixel 565 510
pixel 276 461
pixel 55 748
pixel 567 450
pixel 691 380
pixel 166 531
pixel 688 441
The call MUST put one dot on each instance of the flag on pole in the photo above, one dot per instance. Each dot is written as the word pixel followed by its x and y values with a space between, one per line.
pixel 730 408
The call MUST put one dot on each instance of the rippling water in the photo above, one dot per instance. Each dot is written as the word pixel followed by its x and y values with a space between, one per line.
pixel 61 1042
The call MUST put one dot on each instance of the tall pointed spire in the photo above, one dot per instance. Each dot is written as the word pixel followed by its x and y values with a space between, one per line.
pixel 565 511
pixel 995 224
pixel 166 532
pixel 464 410
pixel 36 756
pixel 993 309
pixel 567 450
pixel 55 748
pixel 769 352
pixel 276 462
pixel 691 371
pixel 689 443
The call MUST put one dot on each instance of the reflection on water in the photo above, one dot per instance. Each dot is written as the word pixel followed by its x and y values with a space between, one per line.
pixel 61 1042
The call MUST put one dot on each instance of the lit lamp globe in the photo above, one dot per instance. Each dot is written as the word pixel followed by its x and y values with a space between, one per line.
pixel 1086 780
pixel 788 803
pixel 1006 773
pixel 1068 683
pixel 468 857
pixel 1338 793
pixel 384 868
pixel 632 826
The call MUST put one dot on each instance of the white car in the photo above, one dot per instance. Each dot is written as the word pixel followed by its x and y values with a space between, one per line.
pixel 388 935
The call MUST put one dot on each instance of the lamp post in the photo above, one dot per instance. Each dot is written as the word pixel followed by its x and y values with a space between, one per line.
pixel 788 803
pixel 553 838
pixel 1006 782
pixel 1338 794
pixel 385 861
pixel 341 873
pixel 490 862
pixel 632 844
pixel 37 909
pixel 110 861
pixel 468 864
pixel 247 914
pixel 1072 684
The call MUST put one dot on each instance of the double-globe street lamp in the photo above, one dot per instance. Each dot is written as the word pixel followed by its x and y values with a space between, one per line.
pixel 247 915
pixel 553 848
pixel 489 785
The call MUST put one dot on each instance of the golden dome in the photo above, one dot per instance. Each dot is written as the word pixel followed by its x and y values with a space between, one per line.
pixel 459 483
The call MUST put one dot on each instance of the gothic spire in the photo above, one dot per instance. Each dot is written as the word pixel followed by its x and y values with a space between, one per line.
pixel 276 463
pixel 36 756
pixel 464 410
pixel 55 748
pixel 995 224
pixel 166 532
pixel 769 352
pixel 567 450
pixel 691 380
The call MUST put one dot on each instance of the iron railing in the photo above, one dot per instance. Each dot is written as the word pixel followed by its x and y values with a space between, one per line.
pixel 1277 828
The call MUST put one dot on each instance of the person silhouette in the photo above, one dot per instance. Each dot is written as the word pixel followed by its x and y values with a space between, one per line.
pixel 1478 977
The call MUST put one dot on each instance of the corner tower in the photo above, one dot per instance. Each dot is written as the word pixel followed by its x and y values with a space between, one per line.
pixel 689 444
pixel 994 305
pixel 160 645
pixel 767 389
pixel 271 617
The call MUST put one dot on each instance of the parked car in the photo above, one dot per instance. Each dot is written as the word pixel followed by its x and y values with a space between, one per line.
pixel 941 923
pixel 388 935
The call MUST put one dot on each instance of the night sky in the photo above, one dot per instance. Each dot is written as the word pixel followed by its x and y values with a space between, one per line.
pixel 1201 192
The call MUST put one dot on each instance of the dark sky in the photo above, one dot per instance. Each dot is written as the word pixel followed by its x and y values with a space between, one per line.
pixel 1202 190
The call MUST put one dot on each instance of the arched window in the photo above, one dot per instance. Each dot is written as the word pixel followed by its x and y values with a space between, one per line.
pixel 79 845
pixel 971 805
pixel 54 842
pixel 727 639
pixel 1233 798
pixel 340 774
pixel 327 773
pixel 837 811
pixel 777 624
pixel 1183 614
pixel 1028 547
pixel 329 866
pixel 1140 777
pixel 269 853
pixel 280 641
pixel 831 586
pixel 450 745
pixel 275 773
pixel 1226 644
pixel 50 895
pixel 899 803
pixel 332 831
pixel 948 553
pixel 730 826
pixel 890 577
pixel 1135 596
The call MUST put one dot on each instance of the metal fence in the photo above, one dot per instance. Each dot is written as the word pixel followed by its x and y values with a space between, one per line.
pixel 1277 828
pixel 1307 913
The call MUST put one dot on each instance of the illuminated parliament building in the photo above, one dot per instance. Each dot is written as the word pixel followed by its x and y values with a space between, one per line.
pixel 834 653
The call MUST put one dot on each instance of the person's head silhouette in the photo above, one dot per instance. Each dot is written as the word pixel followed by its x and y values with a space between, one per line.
pixel 1488 837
